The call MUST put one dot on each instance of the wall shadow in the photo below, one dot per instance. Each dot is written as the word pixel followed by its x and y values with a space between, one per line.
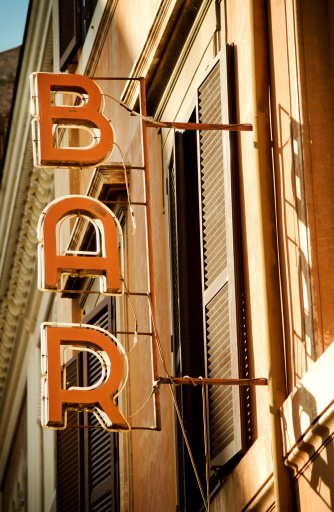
pixel 318 471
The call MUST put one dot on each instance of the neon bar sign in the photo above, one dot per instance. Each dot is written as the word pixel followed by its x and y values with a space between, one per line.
pixel 54 262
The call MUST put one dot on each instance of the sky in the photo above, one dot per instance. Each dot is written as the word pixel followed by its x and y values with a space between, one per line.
pixel 13 15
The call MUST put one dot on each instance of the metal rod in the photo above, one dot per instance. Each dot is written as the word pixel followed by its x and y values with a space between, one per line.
pixel 124 202
pixel 64 290
pixel 139 294
pixel 247 127
pixel 145 428
pixel 151 283
pixel 101 428
pixel 213 382
pixel 131 332
pixel 115 78
pixel 128 167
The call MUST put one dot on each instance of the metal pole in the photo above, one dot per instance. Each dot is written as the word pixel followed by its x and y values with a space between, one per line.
pixel 151 283
pixel 246 127
pixel 195 381
pixel 264 180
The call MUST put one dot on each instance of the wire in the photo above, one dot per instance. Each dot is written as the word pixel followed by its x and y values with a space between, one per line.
pixel 132 112
pixel 206 446
pixel 135 339
pixel 127 192
pixel 146 401
pixel 188 446
pixel 175 402
pixel 158 341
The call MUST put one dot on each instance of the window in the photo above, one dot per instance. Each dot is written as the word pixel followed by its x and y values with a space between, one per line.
pixel 208 308
pixel 87 459
pixel 187 311
pixel 74 20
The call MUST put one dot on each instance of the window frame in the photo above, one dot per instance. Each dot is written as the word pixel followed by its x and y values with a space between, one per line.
pixel 234 273
pixel 82 13
pixel 225 460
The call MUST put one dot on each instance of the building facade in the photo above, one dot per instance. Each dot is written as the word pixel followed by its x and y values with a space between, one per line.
pixel 227 274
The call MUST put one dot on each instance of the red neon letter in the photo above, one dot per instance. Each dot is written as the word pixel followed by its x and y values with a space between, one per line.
pixel 52 265
pixel 99 398
pixel 87 115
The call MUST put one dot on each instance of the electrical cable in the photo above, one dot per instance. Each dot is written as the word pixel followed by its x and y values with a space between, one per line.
pixel 133 220
pixel 176 404
pixel 135 339
pixel 145 403
pixel 206 446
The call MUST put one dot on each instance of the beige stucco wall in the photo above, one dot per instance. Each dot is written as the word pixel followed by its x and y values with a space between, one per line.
pixel 301 94
pixel 181 101
pixel 302 157
pixel 152 454
pixel 302 106
pixel 149 472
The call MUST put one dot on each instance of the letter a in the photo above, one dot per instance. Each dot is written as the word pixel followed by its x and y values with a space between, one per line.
pixel 106 265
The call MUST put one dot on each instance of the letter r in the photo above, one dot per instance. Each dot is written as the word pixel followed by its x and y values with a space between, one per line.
pixel 99 398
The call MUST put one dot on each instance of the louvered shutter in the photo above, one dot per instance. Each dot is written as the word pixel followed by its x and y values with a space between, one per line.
pixel 70 454
pixel 219 257
pixel 101 460
pixel 87 458
pixel 69 31
pixel 102 457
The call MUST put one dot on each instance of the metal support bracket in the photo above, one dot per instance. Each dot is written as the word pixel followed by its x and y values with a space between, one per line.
pixel 195 381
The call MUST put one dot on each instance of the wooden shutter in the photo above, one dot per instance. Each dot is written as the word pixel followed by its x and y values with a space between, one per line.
pixel 222 328
pixel 74 19
pixel 70 453
pixel 87 458
pixel 69 31
pixel 101 447
pixel 102 458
